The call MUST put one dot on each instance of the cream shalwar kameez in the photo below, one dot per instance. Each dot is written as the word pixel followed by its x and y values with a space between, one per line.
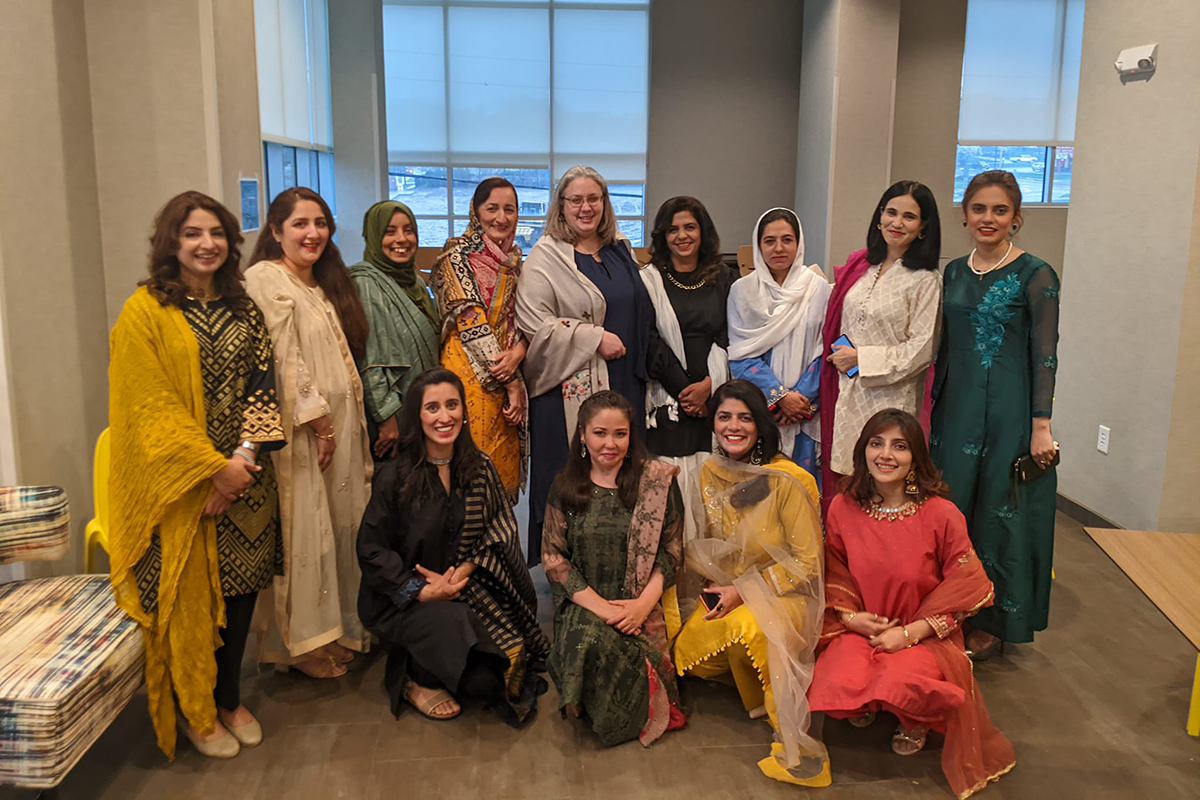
pixel 893 322
pixel 315 601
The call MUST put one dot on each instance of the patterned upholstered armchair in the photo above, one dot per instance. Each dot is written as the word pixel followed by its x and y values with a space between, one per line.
pixel 70 660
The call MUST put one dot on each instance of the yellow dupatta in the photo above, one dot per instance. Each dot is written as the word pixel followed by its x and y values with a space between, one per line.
pixel 162 460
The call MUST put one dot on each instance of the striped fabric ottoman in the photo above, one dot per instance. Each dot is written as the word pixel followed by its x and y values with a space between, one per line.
pixel 35 523
pixel 70 660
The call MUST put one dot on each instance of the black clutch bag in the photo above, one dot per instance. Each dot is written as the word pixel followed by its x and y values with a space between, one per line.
pixel 1026 469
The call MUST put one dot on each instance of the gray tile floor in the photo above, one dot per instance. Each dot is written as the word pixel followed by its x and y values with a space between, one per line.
pixel 1096 709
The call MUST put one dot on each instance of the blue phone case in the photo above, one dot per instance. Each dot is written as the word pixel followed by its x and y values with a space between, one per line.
pixel 845 340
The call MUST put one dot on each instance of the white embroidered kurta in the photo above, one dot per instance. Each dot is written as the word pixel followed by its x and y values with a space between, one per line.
pixel 315 601
pixel 893 323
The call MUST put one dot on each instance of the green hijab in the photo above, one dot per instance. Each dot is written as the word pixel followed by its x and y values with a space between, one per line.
pixel 375 222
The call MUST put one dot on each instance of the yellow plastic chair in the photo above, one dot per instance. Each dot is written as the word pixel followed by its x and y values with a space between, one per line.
pixel 97 529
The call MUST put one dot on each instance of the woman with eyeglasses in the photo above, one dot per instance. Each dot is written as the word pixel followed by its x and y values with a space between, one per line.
pixel 588 319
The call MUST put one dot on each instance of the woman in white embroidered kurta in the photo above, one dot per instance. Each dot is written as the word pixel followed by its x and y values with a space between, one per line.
pixel 310 617
pixel 887 301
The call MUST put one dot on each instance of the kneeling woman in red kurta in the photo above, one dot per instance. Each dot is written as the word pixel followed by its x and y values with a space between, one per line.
pixel 900 577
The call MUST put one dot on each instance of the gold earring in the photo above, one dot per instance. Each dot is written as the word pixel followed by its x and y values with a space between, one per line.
pixel 583 450
pixel 910 483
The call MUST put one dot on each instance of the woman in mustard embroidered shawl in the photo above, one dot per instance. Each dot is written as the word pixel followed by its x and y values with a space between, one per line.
pixel 194 528
pixel 475 281
pixel 402 322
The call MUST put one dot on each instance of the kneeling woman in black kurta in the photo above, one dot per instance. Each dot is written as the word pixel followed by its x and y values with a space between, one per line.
pixel 444 585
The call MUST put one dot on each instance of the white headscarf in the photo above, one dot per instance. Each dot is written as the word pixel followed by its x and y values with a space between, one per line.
pixel 786 320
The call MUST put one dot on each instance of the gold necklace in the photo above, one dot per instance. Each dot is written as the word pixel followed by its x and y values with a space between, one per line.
pixel 201 296
pixel 683 286
pixel 907 509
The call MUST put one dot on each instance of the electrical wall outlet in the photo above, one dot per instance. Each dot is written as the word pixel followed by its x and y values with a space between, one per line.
pixel 1102 440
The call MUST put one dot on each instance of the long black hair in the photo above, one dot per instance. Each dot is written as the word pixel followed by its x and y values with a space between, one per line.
pixel 574 480
pixel 924 251
pixel 417 480
pixel 709 251
pixel 860 486
pixel 752 396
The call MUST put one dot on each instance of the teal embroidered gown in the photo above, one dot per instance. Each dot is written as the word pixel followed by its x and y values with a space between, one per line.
pixel 995 372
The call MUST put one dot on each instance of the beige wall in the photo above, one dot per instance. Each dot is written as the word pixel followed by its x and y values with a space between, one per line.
pixel 1178 510
pixel 359 120
pixel 846 100
pixel 925 124
pixel 53 277
pixel 1132 222
pixel 724 89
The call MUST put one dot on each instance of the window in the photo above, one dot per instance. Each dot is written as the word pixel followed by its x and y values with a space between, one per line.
pixel 477 88
pixel 292 50
pixel 1019 88
pixel 288 166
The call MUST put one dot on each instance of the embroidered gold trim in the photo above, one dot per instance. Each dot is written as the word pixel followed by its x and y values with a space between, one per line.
pixel 737 640
pixel 987 780
pixel 893 514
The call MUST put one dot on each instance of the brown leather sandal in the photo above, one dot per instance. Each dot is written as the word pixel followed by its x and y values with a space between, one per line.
pixel 909 743
pixel 427 706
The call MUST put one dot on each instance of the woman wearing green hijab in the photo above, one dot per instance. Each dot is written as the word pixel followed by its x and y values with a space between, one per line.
pixel 401 317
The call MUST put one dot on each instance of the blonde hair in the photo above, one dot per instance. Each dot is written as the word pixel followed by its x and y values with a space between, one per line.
pixel 556 224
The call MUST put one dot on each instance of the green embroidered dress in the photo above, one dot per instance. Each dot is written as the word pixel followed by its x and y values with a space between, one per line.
pixel 995 372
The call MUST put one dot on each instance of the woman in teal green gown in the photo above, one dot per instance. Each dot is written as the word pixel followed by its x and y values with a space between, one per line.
pixel 993 397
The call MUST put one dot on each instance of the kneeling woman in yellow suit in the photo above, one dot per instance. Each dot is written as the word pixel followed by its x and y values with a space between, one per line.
pixel 758 557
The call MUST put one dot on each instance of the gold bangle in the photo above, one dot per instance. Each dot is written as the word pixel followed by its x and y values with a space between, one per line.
pixel 910 642
pixel 327 436
pixel 846 621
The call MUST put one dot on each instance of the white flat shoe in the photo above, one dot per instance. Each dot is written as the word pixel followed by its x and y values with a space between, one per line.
pixel 248 735
pixel 224 746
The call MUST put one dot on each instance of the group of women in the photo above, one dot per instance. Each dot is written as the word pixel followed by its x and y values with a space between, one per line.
pixel 673 425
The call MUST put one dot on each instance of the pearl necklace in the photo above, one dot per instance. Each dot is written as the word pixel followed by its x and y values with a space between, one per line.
pixel 971 262
pixel 893 514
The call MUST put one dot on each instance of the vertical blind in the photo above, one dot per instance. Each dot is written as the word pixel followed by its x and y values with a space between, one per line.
pixel 1020 79
pixel 501 83
pixel 292 48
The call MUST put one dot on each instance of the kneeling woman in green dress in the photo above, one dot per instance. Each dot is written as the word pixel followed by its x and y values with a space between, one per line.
pixel 612 542
pixel 758 556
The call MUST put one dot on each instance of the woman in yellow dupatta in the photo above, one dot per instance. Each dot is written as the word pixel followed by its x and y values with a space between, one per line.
pixel 758 558
pixel 475 282
pixel 193 535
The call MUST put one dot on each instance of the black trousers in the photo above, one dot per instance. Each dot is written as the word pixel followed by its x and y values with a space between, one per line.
pixel 480 679
pixel 239 609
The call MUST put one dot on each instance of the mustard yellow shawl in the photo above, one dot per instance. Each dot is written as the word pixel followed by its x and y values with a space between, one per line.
pixel 162 460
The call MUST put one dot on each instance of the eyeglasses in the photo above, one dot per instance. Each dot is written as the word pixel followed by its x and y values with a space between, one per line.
pixel 593 200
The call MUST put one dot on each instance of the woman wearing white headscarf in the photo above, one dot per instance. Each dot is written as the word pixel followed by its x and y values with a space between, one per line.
pixel 775 318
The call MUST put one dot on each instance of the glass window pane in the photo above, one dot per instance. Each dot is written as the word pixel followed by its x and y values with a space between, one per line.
pixel 528 232
pixel 600 91
pixel 499 96
pixel 305 174
pixel 1061 189
pixel 423 189
pixel 273 156
pixel 628 201
pixel 432 231
pixel 532 185
pixel 415 83
pixel 289 168
pixel 325 178
pixel 460 225
pixel 1027 164
pixel 633 229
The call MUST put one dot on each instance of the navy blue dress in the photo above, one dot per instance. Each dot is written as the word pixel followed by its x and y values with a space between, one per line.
pixel 630 316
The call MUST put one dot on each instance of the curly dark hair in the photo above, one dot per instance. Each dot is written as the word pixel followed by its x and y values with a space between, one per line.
pixel 330 270
pixel 574 480
pixel 752 396
pixel 709 252
pixel 860 486
pixel 416 480
pixel 164 281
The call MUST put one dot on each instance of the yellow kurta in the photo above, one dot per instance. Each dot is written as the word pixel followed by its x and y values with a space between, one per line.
pixel 315 601
pixel 786 551
pixel 162 463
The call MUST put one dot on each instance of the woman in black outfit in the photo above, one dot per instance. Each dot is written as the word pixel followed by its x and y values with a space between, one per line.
pixel 689 287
